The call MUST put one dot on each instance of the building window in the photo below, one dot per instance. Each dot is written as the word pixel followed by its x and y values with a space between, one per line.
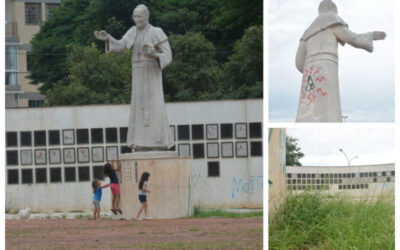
pixel 98 172
pixel 255 130
pixel 11 139
pixel 26 138
pixel 256 149
pixel 227 131
pixel 32 13
pixel 82 136
pixel 54 137
pixel 35 103
pixel 183 132
pixel 111 135
pixel 84 174
pixel 11 65
pixel 40 138
pixel 213 169
pixel 13 176
pixel 12 157
pixel 27 176
pixel 50 8
pixel 198 150
pixel 55 174
pixel 97 135
pixel 41 175
pixel 197 132
pixel 70 174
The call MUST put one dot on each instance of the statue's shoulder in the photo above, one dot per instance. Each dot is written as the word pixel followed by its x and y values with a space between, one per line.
pixel 158 35
pixel 323 22
pixel 131 33
pixel 132 30
pixel 157 30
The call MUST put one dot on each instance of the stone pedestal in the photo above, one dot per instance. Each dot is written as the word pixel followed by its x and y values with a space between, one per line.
pixel 170 184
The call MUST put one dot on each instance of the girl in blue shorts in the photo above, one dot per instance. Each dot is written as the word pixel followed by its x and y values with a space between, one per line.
pixel 143 190
pixel 97 190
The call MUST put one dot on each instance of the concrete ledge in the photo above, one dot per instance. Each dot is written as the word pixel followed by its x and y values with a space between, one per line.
pixel 149 155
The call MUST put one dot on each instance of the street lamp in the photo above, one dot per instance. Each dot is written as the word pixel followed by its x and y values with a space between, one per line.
pixel 355 157
pixel 341 150
pixel 344 117
pixel 348 161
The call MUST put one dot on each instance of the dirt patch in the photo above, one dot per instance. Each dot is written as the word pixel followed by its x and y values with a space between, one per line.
pixel 213 233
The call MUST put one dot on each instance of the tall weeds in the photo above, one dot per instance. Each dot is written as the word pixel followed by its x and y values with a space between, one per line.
pixel 313 220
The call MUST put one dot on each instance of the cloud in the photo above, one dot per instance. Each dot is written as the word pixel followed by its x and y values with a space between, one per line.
pixel 321 145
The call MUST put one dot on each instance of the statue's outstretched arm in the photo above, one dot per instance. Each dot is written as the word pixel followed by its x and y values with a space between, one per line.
pixel 362 41
pixel 301 56
pixel 112 44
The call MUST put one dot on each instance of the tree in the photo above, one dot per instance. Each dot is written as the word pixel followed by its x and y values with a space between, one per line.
pixel 230 20
pixel 293 153
pixel 243 73
pixel 193 73
pixel 96 78
pixel 49 46
pixel 195 29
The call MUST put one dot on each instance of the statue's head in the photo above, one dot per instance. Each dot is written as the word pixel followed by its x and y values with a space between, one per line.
pixel 327 6
pixel 140 16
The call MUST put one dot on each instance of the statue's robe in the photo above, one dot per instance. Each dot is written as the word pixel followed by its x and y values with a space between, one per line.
pixel 148 123
pixel 317 60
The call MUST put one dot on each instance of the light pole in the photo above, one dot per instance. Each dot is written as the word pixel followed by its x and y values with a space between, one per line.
pixel 344 117
pixel 355 157
pixel 348 161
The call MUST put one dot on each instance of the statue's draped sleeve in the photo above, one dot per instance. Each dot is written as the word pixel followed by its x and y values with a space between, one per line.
pixel 160 41
pixel 125 43
pixel 362 41
pixel 301 56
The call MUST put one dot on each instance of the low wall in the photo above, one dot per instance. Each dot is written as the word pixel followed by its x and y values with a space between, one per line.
pixel 222 138
pixel 358 182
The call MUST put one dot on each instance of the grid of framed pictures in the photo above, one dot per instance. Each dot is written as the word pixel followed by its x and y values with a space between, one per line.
pixel 40 153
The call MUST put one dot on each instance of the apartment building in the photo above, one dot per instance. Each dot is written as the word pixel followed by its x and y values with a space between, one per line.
pixel 23 21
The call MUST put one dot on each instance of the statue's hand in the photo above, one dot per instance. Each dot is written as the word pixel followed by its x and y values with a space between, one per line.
pixel 101 35
pixel 378 35
pixel 149 51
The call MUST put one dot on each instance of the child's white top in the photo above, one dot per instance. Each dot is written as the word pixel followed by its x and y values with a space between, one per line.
pixel 141 191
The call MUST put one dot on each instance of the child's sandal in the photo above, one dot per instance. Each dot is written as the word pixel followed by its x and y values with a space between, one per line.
pixel 114 211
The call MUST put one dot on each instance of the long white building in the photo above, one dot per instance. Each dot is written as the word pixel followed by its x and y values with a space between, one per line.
pixel 356 181
pixel 53 153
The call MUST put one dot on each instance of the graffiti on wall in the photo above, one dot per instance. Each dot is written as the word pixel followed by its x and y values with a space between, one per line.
pixel 253 185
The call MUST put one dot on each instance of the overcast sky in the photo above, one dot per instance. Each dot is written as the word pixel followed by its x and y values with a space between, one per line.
pixel 321 145
pixel 366 79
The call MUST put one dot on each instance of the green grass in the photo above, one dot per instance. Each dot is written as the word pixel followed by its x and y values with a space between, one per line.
pixel 199 213
pixel 79 216
pixel 316 221
pixel 194 229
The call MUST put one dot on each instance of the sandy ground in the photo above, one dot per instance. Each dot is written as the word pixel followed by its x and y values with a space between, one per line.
pixel 211 233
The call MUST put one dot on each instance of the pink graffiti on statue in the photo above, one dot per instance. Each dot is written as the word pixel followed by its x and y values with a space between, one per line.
pixel 321 91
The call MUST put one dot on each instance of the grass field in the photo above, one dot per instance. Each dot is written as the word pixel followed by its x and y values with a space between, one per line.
pixel 316 221
pixel 214 229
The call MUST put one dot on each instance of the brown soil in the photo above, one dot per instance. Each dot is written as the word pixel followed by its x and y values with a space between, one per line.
pixel 212 233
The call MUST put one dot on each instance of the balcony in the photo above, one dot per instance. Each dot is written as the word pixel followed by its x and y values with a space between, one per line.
pixel 11 30
pixel 13 88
